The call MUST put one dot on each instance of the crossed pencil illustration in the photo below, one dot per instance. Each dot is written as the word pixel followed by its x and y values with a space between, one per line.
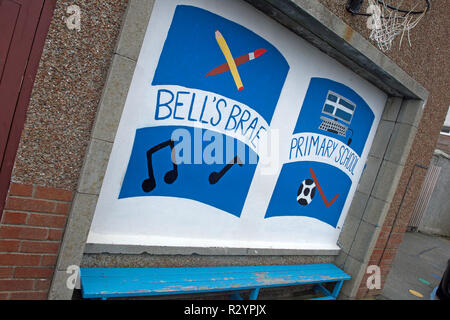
pixel 232 64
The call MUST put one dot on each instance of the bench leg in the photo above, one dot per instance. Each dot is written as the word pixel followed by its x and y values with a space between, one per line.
pixel 328 295
pixel 320 288
pixel 254 294
pixel 336 289
pixel 236 296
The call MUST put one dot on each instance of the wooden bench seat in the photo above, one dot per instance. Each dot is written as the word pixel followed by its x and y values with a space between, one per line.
pixel 106 283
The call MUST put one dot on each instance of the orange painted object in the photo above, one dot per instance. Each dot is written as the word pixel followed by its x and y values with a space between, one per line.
pixel 240 60
pixel 415 293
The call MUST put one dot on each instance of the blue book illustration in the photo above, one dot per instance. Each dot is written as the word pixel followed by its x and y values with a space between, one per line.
pixel 328 140
pixel 204 51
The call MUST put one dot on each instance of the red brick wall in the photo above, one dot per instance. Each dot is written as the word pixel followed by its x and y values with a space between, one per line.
pixel 383 256
pixel 31 229
pixel 393 230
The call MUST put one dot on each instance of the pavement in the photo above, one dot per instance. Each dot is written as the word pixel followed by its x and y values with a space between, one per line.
pixel 420 256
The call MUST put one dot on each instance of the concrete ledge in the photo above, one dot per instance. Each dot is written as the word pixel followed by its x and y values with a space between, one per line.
pixel 71 252
pixel 358 205
pixel 173 261
pixel 77 230
pixel 411 112
pixel 387 181
pixel 400 143
pixel 369 175
pixel 376 211
pixel 392 108
pixel 158 250
pixel 364 242
pixel 113 98
pixel 357 269
pixel 94 168
pixel 381 140
pixel 349 233
pixel 133 28
pixel 59 290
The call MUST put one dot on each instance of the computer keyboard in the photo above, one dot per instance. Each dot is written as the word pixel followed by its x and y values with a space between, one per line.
pixel 333 126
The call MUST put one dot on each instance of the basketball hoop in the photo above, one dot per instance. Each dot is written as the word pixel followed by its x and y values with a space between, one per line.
pixel 387 20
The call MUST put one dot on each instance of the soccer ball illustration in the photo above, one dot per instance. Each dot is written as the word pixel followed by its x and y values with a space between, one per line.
pixel 306 192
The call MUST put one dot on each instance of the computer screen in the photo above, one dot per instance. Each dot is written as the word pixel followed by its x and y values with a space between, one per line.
pixel 339 107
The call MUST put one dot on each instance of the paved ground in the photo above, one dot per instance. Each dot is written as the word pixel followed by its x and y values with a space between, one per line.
pixel 419 256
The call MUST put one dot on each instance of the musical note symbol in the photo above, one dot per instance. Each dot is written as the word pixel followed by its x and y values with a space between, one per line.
pixel 214 177
pixel 170 176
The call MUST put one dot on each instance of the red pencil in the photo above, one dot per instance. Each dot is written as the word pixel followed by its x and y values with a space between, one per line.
pixel 240 60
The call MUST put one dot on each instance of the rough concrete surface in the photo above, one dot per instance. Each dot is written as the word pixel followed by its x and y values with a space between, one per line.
pixel 66 94
pixel 419 256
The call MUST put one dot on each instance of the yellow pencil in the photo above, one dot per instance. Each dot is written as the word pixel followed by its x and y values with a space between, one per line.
pixel 226 52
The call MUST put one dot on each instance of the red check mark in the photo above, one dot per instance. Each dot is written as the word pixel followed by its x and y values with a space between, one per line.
pixel 327 203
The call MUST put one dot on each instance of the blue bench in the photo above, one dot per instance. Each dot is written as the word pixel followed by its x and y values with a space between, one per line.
pixel 107 283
